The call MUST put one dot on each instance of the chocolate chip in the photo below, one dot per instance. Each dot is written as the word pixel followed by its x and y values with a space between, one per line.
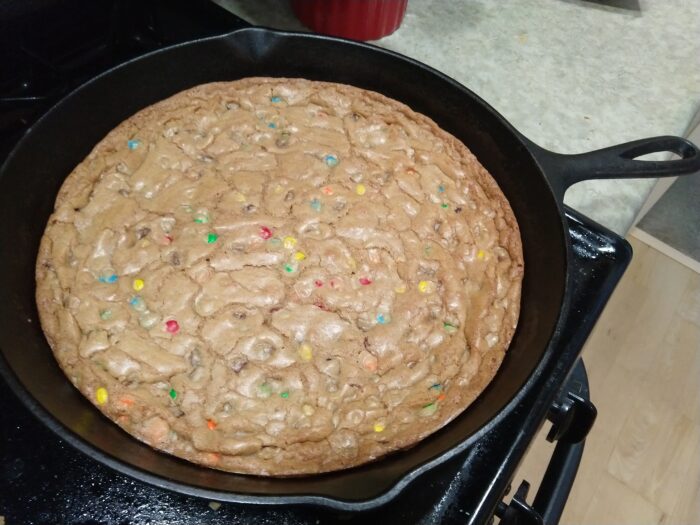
pixel 142 232
pixel 289 196
pixel 250 208
pixel 458 209
pixel 436 226
pixel 123 193
pixel 366 343
pixel 175 259
pixel 240 315
pixel 356 116
pixel 283 140
pixel 238 364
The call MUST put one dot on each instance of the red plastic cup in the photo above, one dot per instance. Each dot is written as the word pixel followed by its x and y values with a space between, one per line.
pixel 356 19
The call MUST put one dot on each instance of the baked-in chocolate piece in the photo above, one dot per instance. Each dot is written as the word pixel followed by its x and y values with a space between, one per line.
pixel 280 276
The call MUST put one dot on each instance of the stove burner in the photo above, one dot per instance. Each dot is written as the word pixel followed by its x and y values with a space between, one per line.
pixel 49 47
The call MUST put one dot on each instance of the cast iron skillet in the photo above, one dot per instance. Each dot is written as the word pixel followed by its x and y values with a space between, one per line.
pixel 534 180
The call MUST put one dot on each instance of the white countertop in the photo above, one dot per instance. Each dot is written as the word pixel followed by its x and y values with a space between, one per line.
pixel 572 75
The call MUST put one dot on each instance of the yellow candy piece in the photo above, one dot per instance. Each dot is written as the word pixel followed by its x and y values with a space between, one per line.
pixel 289 242
pixel 305 352
pixel 400 288
pixel 360 189
pixel 138 284
pixel 379 427
pixel 308 410
pixel 240 197
pixel 300 256
pixel 480 254
pixel 352 263
pixel 101 396
pixel 424 286
pixel 278 189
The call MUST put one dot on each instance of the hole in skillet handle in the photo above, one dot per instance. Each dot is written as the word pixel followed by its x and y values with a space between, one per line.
pixel 617 162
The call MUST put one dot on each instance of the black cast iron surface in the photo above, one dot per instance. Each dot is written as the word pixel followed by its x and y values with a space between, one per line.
pixel 44 480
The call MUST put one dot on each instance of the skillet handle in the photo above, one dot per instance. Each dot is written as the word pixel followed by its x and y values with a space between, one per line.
pixel 618 162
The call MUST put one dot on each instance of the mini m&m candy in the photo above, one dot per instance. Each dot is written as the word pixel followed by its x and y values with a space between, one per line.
pixel 379 427
pixel 107 276
pixel 305 352
pixel 101 395
pixel 265 232
pixel 172 326
pixel 331 160
pixel 315 204
pixel 360 189
pixel 138 284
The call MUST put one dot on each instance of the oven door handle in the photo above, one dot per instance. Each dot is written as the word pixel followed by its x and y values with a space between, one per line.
pixel 572 417
pixel 557 482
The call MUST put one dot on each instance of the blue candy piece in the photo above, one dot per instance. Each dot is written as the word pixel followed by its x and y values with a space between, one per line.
pixel 381 319
pixel 316 204
pixel 441 188
pixel 331 160
pixel 275 99
pixel 271 125
pixel 133 144
pixel 111 279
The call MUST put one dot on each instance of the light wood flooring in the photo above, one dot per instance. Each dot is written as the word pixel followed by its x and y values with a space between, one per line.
pixel 641 463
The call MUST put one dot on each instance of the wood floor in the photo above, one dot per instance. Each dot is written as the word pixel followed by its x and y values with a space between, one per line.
pixel 641 463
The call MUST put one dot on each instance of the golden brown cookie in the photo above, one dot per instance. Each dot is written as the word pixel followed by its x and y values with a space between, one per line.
pixel 280 276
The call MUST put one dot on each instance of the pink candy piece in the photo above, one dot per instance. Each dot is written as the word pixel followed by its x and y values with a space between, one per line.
pixel 265 232
pixel 172 326
pixel 318 283
pixel 365 281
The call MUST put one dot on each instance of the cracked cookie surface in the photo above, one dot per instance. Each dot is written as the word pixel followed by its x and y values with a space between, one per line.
pixel 280 276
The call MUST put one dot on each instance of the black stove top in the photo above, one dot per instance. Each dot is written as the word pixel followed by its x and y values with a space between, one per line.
pixel 51 46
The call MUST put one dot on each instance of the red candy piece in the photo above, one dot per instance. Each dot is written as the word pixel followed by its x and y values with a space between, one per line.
pixel 265 232
pixel 318 283
pixel 318 303
pixel 365 281
pixel 172 326
pixel 168 239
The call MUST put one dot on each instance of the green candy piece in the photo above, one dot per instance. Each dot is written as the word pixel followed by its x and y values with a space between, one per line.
pixel 265 390
pixel 284 395
pixel 428 410
pixel 172 393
